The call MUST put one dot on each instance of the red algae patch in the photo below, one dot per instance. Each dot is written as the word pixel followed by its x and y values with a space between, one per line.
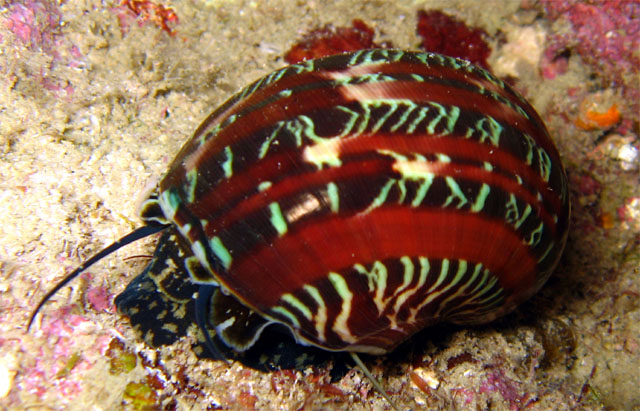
pixel 330 40
pixel 444 34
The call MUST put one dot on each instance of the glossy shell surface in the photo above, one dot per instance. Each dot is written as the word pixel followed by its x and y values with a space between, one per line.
pixel 362 197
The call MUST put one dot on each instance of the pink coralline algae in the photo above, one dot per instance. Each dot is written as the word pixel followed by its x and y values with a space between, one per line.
pixel 606 34
pixel 553 63
pixel 34 23
pixel 31 27
pixel 62 364
pixel 508 389
pixel 98 297
pixel 464 394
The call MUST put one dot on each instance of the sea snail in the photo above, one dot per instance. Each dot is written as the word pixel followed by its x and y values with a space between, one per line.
pixel 357 199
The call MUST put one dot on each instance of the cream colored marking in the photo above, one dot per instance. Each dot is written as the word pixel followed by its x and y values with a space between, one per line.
pixel 190 162
pixel 320 318
pixel 169 204
pixel 481 288
pixel 381 197
pixel 225 324
pixel 340 325
pixel 152 203
pixel 264 148
pixel 184 230
pixel 456 192
pixel 402 298
pixel 418 169
pixel 277 219
pixel 324 152
pixel 546 253
pixel 415 169
pixel 360 92
pixel 334 197
pixel 188 261
pixel 201 255
pixel 462 290
pixel 430 293
pixel 299 305
pixel 408 274
pixel 493 296
pixel 349 73
pixel 377 281
pixel 221 252
pixel 293 320
pixel 474 299
pixel 265 185
pixel 462 269
pixel 525 214
pixel 519 179
pixel 485 276
pixel 367 349
pixel 171 327
pixel 181 310
pixel 309 205
pixel 227 165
